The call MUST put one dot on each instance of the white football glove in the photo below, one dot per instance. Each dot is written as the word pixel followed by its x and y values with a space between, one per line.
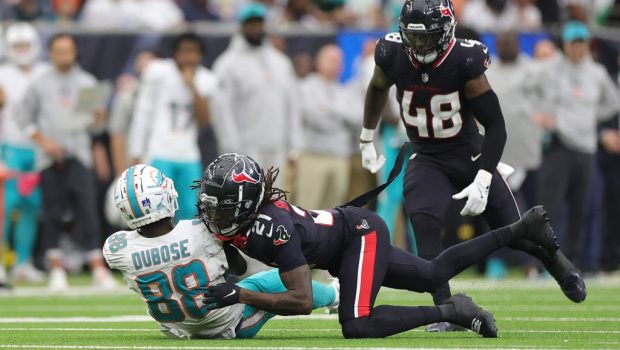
pixel 477 194
pixel 370 161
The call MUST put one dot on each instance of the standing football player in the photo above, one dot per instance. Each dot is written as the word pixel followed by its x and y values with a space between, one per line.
pixel 442 92
pixel 173 101
pixel 18 150
pixel 239 204
pixel 170 266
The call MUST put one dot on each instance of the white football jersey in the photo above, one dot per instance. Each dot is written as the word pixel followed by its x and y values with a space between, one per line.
pixel 14 82
pixel 164 125
pixel 171 273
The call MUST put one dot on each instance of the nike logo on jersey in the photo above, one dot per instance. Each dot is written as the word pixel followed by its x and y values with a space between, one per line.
pixel 475 158
pixel 230 294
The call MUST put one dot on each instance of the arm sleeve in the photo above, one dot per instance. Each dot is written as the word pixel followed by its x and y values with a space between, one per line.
pixel 488 112
pixel 141 122
pixel 609 103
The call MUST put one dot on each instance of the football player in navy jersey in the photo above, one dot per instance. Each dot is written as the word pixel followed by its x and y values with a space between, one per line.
pixel 238 204
pixel 443 91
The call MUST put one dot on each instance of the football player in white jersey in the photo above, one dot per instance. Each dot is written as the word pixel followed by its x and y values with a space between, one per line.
pixel 171 266
pixel 18 152
pixel 173 102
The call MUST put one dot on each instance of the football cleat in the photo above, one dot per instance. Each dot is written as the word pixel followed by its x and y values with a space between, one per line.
pixel 568 277
pixel 469 315
pixel 534 226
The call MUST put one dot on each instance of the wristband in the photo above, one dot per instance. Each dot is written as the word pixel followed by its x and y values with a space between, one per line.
pixel 367 135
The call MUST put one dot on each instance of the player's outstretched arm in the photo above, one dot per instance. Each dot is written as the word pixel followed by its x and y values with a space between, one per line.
pixel 485 106
pixel 297 300
pixel 376 98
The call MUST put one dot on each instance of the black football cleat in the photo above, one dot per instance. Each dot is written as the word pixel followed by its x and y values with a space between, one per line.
pixel 534 226
pixel 469 315
pixel 568 277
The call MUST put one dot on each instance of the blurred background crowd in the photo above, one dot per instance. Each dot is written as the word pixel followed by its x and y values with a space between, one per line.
pixel 89 87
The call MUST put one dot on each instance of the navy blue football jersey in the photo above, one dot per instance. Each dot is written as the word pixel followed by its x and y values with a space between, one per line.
pixel 287 236
pixel 432 100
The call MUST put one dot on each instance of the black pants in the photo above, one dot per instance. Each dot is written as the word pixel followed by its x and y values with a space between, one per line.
pixel 610 243
pixel 430 182
pixel 69 195
pixel 369 261
pixel 565 183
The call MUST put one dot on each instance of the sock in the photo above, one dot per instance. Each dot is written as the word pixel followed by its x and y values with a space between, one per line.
pixel 322 295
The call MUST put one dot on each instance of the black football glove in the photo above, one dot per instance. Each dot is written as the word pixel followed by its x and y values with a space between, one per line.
pixel 221 295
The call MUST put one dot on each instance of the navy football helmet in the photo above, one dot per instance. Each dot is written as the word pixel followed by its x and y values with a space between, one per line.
pixel 427 28
pixel 231 190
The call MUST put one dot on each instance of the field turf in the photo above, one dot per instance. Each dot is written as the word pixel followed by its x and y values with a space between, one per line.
pixel 529 315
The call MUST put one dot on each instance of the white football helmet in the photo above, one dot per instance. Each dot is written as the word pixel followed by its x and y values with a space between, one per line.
pixel 23 44
pixel 144 195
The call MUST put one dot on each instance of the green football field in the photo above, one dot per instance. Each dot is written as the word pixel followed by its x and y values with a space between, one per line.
pixel 529 315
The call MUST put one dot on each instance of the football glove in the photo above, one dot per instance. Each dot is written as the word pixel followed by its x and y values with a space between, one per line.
pixel 221 295
pixel 477 194
pixel 370 161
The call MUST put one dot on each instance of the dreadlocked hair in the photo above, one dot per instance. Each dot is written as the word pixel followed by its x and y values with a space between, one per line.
pixel 272 193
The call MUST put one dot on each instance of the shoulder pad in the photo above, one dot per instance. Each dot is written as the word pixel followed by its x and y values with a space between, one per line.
pixel 476 57
pixel 386 49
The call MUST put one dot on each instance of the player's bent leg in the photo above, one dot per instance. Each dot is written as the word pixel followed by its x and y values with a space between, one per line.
pixel 406 271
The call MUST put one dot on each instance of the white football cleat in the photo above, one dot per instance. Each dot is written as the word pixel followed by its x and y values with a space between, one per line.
pixel 103 279
pixel 58 280
pixel 27 272
pixel 333 308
